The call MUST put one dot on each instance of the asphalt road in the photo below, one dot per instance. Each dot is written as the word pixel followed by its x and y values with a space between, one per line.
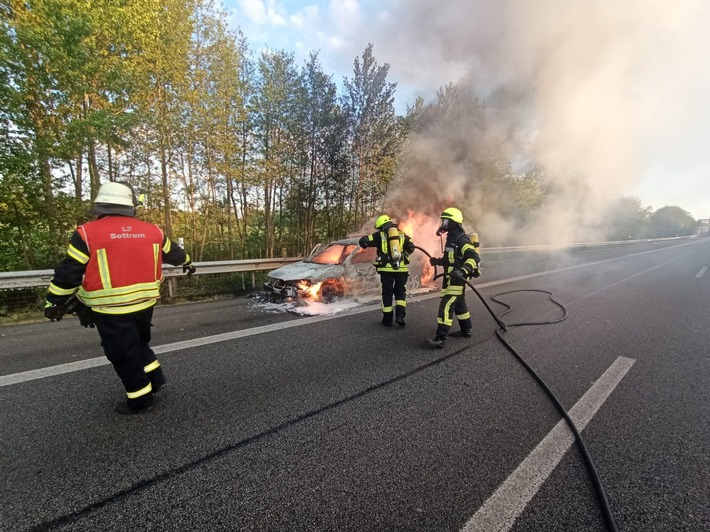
pixel 275 422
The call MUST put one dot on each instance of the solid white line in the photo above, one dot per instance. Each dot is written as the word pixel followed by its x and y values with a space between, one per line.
pixel 506 504
pixel 17 378
pixel 51 371
pixel 701 272
pixel 24 376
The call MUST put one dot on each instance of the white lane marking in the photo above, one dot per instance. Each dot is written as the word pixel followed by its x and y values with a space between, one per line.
pixel 51 371
pixel 701 272
pixel 506 504
pixel 16 378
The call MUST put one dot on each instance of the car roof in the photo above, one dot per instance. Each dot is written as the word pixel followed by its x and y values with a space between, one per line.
pixel 345 241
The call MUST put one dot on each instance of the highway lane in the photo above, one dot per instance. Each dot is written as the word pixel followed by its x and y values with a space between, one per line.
pixel 42 344
pixel 343 424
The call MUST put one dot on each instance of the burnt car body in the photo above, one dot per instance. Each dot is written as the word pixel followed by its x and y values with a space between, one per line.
pixel 339 269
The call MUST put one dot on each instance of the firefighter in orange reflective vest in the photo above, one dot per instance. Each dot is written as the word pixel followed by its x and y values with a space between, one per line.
pixel 460 261
pixel 113 271
pixel 393 250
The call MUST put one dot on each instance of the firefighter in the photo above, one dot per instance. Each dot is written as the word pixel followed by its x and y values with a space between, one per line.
pixel 393 250
pixel 460 261
pixel 112 271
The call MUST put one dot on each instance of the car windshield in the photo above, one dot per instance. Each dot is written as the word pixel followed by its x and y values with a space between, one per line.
pixel 333 254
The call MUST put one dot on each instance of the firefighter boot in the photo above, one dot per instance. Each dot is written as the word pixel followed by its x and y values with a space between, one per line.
pixel 387 319
pixel 438 341
pixel 134 406
pixel 400 317
pixel 126 410
pixel 157 379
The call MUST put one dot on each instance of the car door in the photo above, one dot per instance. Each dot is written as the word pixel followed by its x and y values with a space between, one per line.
pixel 360 269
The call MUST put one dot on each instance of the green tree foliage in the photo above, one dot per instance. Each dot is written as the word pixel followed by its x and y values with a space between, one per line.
pixel 276 124
pixel 72 70
pixel 318 200
pixel 626 219
pixel 671 221
pixel 368 103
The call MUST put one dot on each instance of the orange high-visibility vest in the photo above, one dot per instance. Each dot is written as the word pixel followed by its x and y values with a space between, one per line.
pixel 124 266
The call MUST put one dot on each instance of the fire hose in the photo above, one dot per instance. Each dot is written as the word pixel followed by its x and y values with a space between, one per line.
pixel 502 328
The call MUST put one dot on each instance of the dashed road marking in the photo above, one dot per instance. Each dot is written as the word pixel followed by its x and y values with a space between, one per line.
pixel 500 511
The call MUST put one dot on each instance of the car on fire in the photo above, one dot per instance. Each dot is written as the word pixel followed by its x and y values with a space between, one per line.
pixel 339 269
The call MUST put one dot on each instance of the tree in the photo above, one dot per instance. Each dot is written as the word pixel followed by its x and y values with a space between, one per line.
pixel 671 221
pixel 626 220
pixel 368 104
pixel 275 124
pixel 68 70
pixel 321 148
pixel 162 71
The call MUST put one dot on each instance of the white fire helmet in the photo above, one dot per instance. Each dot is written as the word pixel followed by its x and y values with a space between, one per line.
pixel 114 199
pixel 115 194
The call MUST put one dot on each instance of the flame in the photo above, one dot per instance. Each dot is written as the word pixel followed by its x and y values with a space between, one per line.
pixel 309 291
pixel 421 228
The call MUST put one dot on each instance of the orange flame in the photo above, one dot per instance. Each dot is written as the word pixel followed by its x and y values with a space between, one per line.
pixel 422 230
pixel 309 291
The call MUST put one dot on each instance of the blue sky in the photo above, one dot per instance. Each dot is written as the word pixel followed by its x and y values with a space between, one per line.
pixel 617 88
pixel 339 30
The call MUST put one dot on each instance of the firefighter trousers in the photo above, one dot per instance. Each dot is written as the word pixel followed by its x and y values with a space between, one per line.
pixel 394 285
pixel 450 305
pixel 125 339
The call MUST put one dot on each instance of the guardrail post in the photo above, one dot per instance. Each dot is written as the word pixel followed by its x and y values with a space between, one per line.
pixel 172 287
pixel 253 280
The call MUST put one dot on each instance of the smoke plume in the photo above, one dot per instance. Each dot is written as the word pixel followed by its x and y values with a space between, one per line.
pixel 574 87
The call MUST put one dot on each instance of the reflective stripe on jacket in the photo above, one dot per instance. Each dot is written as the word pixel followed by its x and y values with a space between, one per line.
pixel 124 265
pixel 383 263
pixel 458 253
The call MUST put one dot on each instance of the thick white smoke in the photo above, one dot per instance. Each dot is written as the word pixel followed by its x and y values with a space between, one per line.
pixel 577 87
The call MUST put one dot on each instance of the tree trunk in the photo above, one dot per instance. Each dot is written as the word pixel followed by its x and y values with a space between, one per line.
pixel 166 191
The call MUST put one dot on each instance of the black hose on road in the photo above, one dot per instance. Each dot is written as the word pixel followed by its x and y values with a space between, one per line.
pixel 502 328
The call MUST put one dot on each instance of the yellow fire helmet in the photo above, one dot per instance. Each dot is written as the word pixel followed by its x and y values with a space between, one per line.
pixel 382 220
pixel 452 213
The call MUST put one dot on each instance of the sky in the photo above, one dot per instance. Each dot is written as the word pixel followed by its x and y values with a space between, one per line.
pixel 617 88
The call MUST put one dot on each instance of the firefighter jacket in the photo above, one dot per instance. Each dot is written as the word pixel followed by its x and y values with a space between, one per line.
pixel 384 261
pixel 114 265
pixel 459 252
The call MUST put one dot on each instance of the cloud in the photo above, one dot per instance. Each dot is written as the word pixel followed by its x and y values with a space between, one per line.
pixel 307 19
pixel 260 12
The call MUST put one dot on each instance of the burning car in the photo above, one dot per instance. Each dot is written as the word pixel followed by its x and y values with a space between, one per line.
pixel 339 269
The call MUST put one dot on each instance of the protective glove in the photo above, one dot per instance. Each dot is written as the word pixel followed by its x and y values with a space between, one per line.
pixel 458 273
pixel 434 261
pixel 476 273
pixel 188 268
pixel 86 318
pixel 54 312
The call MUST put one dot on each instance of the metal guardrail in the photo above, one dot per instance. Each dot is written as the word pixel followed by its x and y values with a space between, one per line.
pixel 28 279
